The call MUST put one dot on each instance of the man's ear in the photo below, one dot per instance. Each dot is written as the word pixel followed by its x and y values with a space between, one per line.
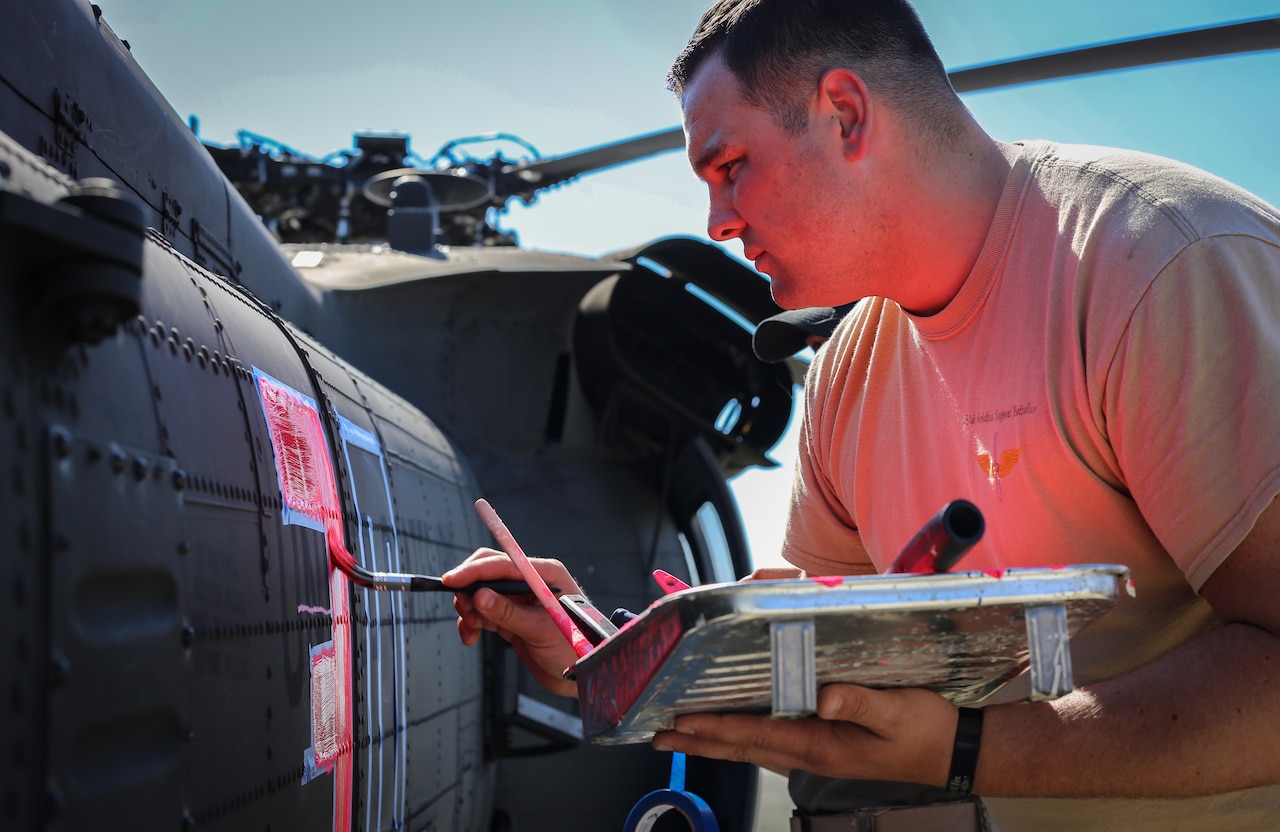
pixel 843 97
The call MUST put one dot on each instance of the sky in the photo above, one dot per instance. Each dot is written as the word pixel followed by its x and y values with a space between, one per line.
pixel 566 75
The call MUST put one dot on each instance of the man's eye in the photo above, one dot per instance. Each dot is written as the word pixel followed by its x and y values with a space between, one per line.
pixel 730 168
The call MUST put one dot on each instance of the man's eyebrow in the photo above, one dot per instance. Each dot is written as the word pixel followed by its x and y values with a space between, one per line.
pixel 709 156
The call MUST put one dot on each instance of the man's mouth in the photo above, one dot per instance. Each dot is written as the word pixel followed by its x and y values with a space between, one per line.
pixel 761 261
pixel 757 256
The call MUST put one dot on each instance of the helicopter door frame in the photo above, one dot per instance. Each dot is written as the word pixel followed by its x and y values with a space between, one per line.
pixel 699 492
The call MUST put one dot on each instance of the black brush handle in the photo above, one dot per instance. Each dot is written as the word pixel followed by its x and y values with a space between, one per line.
pixel 425 583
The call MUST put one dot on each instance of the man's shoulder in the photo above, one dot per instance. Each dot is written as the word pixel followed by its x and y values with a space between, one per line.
pixel 1113 180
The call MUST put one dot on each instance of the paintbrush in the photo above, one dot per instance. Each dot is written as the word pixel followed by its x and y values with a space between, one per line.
pixel 541 591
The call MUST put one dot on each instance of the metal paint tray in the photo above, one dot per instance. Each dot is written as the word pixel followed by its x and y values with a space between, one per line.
pixel 767 646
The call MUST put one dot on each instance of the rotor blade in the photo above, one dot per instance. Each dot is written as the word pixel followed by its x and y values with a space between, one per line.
pixel 543 173
pixel 1232 38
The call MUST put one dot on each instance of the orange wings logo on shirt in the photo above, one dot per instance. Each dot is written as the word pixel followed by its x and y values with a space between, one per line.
pixel 999 470
pixel 998 464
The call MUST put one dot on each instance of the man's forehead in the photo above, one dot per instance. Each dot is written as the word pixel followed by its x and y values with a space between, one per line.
pixel 712 74
pixel 705 106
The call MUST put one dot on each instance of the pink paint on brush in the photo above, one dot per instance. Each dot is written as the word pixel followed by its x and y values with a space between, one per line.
pixel 540 589
pixel 828 580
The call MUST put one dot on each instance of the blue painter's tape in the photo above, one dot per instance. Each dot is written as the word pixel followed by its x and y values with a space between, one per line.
pixel 657 803
pixel 678 765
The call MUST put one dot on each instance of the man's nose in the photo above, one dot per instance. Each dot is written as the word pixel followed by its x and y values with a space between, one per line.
pixel 723 220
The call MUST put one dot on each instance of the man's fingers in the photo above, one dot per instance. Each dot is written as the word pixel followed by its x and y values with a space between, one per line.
pixel 494 565
pixel 775 744
pixel 500 612
pixel 774 573
pixel 849 703
pixel 483 565
pixel 519 620
pixel 787 738
pixel 885 713
pixel 468 631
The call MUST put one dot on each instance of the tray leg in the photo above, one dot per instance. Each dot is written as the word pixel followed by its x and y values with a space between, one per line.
pixel 795 676
pixel 1049 642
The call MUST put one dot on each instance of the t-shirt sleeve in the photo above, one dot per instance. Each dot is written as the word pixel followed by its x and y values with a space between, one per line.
pixel 822 537
pixel 1192 399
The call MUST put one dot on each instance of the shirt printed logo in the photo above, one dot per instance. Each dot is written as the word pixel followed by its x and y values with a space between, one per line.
pixel 997 465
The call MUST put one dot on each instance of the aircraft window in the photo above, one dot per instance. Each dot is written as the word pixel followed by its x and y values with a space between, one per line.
pixel 729 416
pixel 715 546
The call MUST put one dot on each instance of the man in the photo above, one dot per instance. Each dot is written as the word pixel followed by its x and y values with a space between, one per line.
pixel 778 337
pixel 1084 342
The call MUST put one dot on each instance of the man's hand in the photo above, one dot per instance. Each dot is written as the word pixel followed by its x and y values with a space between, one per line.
pixel 859 733
pixel 521 620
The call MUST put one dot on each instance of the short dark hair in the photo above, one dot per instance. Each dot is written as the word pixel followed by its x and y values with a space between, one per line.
pixel 778 49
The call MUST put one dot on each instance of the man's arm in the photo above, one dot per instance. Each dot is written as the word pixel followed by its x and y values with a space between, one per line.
pixel 1199 720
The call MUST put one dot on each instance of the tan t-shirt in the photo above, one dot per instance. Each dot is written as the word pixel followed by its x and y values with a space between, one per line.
pixel 1105 387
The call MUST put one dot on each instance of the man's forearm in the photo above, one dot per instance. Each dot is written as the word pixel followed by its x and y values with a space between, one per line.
pixel 1200 720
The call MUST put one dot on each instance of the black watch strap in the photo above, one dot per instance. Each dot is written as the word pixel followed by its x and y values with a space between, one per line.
pixel 964 754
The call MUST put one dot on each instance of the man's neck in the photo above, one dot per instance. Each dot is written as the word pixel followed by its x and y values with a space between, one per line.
pixel 946 229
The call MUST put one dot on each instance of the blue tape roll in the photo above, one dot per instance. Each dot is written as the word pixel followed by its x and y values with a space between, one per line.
pixel 656 804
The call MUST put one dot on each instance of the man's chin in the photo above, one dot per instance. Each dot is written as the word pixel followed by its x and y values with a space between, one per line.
pixel 792 294
pixel 786 294
pixel 762 265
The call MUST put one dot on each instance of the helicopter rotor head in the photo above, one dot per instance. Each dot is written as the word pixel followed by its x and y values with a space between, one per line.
pixel 456 189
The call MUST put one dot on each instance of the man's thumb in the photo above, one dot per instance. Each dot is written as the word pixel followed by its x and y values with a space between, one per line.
pixel 843 702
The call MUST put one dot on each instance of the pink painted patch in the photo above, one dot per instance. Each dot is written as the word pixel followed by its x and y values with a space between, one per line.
pixel 828 580
pixel 994 573
pixel 301 452
pixel 324 706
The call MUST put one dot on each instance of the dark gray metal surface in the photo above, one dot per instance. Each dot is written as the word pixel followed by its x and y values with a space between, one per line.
pixel 162 615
